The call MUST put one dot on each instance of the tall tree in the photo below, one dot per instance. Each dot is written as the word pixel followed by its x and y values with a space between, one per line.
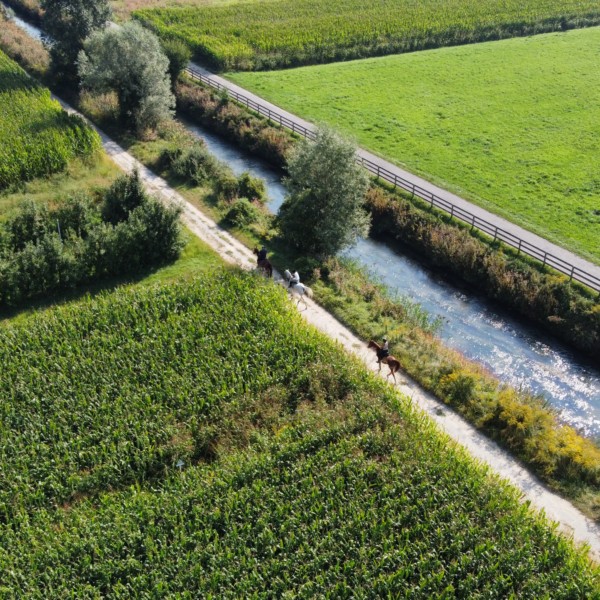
pixel 324 212
pixel 129 61
pixel 67 24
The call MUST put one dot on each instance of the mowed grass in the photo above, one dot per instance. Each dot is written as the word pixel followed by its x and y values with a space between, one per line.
pixel 148 453
pixel 512 125
pixel 36 136
pixel 287 33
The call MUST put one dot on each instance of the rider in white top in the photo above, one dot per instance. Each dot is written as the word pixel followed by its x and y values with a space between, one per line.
pixel 295 279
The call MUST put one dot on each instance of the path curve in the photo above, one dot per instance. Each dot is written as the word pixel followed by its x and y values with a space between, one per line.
pixel 516 236
pixel 571 521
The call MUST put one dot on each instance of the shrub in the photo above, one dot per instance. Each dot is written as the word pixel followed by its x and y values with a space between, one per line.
pixel 252 188
pixel 196 165
pixel 226 186
pixel 179 56
pixel 44 251
pixel 242 213
pixel 123 196
pixel 29 225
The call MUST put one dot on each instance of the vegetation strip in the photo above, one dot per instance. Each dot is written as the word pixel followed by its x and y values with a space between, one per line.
pixel 289 33
pixel 292 458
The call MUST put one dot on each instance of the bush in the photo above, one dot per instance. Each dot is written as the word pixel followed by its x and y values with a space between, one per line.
pixel 242 213
pixel 252 188
pixel 196 165
pixel 226 186
pixel 167 157
pixel 179 56
pixel 30 224
pixel 37 259
pixel 123 196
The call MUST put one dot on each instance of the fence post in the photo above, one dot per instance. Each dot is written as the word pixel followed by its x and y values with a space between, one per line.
pixel 572 271
pixel 519 248
pixel 495 233
pixel 452 211
pixel 544 261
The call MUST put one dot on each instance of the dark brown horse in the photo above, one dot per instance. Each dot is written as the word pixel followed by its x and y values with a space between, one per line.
pixel 264 264
pixel 390 361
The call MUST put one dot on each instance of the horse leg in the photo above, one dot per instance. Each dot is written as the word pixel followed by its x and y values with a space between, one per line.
pixel 392 374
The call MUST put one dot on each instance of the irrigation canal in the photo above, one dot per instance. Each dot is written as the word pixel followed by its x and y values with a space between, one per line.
pixel 518 355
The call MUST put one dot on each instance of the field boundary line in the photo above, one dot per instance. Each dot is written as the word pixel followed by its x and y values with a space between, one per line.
pixel 519 239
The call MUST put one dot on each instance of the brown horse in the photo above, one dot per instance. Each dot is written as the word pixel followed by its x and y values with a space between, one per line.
pixel 390 361
pixel 264 264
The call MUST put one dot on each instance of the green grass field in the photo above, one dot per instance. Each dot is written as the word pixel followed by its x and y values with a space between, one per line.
pixel 513 125
pixel 36 136
pixel 146 452
pixel 285 33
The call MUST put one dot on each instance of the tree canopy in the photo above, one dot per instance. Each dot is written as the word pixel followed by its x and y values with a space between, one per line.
pixel 324 212
pixel 67 24
pixel 129 61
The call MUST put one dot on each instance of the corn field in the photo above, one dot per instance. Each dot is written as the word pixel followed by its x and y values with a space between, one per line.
pixel 288 33
pixel 198 440
pixel 36 136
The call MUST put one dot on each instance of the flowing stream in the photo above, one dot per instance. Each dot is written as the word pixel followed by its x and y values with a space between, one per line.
pixel 518 355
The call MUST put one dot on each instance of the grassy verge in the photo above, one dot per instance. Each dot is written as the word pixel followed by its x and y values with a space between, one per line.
pixel 497 123
pixel 263 461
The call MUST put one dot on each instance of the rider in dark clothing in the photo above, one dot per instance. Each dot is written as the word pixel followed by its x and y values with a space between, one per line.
pixel 385 350
pixel 262 255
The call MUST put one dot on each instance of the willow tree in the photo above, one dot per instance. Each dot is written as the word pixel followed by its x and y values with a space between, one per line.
pixel 129 61
pixel 67 24
pixel 324 211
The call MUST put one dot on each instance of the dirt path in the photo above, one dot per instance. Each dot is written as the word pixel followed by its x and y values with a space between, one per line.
pixel 571 521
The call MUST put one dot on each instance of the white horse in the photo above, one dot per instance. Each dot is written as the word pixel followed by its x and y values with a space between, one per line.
pixel 298 289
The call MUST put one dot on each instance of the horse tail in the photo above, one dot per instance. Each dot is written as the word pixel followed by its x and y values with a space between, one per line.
pixel 309 292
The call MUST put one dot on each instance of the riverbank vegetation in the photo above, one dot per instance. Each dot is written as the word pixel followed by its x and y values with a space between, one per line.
pixel 510 125
pixel 214 465
pixel 289 33
pixel 37 137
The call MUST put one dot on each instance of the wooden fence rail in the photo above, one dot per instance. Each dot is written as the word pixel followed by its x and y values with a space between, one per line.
pixel 495 232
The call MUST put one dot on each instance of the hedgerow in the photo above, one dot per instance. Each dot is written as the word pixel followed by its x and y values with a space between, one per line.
pixel 37 137
pixel 199 439
pixel 289 33
pixel 234 122
pixel 45 251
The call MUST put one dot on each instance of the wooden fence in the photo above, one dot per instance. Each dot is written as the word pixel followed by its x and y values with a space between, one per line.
pixel 495 232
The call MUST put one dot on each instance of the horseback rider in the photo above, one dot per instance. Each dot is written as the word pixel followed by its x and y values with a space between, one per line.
pixel 261 255
pixel 384 352
pixel 294 279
